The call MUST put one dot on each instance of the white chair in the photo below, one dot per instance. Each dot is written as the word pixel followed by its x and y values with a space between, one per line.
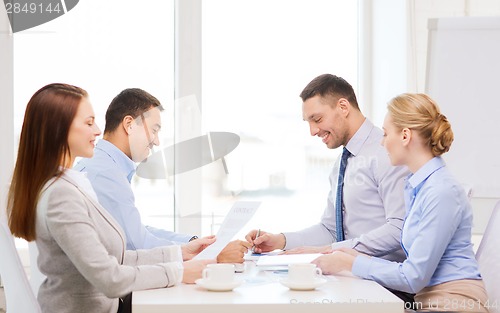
pixel 488 257
pixel 36 277
pixel 18 293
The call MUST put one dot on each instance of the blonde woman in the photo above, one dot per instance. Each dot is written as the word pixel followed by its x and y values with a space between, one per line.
pixel 440 269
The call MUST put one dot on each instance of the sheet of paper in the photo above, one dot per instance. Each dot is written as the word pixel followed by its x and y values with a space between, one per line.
pixel 250 256
pixel 286 259
pixel 235 220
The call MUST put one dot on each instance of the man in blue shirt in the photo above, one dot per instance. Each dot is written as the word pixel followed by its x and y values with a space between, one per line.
pixel 132 125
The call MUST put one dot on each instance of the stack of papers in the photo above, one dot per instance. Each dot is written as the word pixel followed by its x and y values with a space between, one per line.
pixel 286 259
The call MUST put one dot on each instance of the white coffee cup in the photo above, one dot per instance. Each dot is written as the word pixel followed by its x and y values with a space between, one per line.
pixel 303 272
pixel 220 273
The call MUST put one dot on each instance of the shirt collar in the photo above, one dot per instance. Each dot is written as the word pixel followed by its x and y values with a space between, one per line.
pixel 73 174
pixel 356 142
pixel 425 171
pixel 126 165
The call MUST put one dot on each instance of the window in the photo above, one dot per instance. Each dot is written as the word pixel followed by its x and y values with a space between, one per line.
pixel 105 47
pixel 257 56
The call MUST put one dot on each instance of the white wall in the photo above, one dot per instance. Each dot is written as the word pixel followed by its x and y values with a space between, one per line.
pixel 392 60
pixel 393 57
pixel 422 11
pixel 6 107
pixel 393 45
pixel 425 9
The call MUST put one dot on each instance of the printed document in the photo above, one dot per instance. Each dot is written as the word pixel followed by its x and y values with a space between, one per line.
pixel 235 220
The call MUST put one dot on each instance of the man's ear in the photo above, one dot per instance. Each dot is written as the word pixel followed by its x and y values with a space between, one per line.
pixel 406 136
pixel 127 123
pixel 344 105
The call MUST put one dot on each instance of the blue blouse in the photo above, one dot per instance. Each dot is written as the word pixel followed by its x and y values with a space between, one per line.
pixel 436 235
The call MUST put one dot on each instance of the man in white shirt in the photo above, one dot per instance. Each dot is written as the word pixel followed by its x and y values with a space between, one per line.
pixel 372 205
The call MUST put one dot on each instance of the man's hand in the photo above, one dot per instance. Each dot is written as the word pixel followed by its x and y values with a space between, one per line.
pixel 309 249
pixel 192 248
pixel 193 269
pixel 352 252
pixel 234 252
pixel 266 242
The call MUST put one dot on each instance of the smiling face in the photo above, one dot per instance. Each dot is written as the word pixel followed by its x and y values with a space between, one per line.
pixel 393 142
pixel 327 119
pixel 143 134
pixel 83 132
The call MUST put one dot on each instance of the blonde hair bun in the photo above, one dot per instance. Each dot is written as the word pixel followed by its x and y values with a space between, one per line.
pixel 421 113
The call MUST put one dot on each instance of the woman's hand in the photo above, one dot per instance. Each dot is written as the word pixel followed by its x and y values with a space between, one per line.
pixel 192 248
pixel 334 262
pixel 193 269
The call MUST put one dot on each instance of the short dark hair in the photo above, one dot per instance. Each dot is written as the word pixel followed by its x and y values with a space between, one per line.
pixel 131 101
pixel 328 84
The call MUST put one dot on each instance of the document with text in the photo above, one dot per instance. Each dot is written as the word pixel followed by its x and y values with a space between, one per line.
pixel 241 212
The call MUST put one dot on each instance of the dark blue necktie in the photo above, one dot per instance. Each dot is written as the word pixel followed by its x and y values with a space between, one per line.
pixel 338 204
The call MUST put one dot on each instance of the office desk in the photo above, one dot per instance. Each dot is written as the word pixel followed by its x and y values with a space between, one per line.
pixel 262 292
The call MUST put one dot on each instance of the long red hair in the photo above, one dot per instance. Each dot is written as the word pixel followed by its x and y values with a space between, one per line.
pixel 42 148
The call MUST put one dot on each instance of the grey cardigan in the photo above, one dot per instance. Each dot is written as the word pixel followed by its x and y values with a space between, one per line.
pixel 82 253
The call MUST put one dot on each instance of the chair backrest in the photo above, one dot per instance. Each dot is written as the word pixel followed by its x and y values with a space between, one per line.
pixel 36 277
pixel 488 257
pixel 18 293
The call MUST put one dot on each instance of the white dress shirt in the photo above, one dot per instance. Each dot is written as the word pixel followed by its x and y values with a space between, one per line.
pixel 373 201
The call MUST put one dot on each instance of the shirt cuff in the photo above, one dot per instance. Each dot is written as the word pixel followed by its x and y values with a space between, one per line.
pixel 174 272
pixel 361 266
pixel 292 240
pixel 349 243
pixel 175 268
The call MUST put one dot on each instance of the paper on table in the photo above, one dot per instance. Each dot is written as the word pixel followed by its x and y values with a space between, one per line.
pixel 235 220
pixel 286 259
pixel 250 256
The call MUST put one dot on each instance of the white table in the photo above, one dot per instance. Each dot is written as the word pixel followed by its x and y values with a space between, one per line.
pixel 262 292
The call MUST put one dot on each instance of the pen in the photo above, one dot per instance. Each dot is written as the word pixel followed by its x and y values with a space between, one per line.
pixel 256 236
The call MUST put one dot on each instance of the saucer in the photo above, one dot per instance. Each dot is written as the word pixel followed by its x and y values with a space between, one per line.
pixel 301 285
pixel 218 286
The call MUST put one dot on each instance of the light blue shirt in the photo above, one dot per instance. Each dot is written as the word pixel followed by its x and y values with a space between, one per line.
pixel 374 207
pixel 436 236
pixel 110 172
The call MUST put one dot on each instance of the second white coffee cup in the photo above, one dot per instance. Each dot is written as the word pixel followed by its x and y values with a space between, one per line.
pixel 303 272
pixel 220 273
